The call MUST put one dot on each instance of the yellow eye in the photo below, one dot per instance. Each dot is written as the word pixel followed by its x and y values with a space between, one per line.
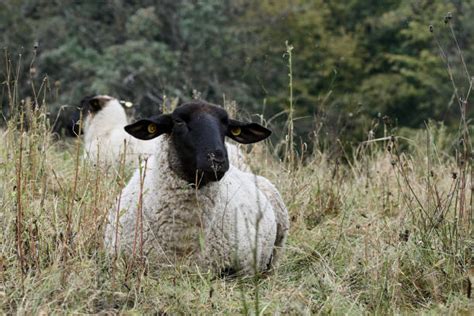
pixel 152 128
pixel 236 131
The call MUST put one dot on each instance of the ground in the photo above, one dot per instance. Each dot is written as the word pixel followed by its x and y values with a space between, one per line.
pixel 386 230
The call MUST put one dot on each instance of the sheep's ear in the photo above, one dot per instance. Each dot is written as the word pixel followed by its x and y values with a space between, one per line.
pixel 150 128
pixel 94 103
pixel 247 133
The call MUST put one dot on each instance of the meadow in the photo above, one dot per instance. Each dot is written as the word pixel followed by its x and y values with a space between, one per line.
pixel 387 229
pixel 382 227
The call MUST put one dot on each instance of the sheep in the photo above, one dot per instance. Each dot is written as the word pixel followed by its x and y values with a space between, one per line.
pixel 237 157
pixel 103 132
pixel 188 202
pixel 104 136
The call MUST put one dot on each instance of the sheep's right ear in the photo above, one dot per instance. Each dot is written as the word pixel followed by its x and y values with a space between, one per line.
pixel 150 128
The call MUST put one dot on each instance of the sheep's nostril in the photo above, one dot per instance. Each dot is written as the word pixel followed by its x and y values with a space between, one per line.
pixel 217 157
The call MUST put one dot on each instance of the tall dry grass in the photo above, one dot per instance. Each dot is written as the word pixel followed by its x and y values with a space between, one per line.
pixel 390 231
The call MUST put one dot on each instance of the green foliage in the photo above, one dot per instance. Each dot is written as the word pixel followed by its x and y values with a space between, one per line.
pixel 353 61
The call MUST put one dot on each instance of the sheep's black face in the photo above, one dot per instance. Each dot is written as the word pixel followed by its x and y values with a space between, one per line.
pixel 198 137
pixel 197 132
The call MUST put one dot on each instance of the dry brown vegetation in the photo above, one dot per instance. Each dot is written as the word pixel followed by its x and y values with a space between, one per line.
pixel 388 232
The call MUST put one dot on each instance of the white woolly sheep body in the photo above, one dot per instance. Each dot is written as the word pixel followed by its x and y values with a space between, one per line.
pixel 105 138
pixel 279 208
pixel 237 157
pixel 226 224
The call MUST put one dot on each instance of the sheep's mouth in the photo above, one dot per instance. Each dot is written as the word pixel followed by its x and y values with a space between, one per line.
pixel 204 177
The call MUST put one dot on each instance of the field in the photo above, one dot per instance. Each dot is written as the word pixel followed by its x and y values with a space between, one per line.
pixel 386 230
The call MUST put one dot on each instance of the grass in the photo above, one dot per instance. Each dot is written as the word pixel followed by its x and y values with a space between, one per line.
pixel 391 232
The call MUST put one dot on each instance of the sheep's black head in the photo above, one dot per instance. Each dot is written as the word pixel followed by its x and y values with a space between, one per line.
pixel 197 131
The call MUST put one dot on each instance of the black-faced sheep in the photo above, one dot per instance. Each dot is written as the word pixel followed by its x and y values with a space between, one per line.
pixel 104 135
pixel 191 203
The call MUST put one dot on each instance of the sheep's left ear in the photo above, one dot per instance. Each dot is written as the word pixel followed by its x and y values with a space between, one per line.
pixel 247 133
pixel 94 103
pixel 150 128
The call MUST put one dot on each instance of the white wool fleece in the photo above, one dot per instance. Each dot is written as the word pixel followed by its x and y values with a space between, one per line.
pixel 227 225
pixel 105 138
pixel 237 157
pixel 279 207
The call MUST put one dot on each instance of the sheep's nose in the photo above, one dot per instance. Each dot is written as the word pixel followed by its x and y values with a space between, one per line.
pixel 216 156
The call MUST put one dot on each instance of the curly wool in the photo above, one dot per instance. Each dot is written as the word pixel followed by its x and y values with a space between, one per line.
pixel 237 157
pixel 279 207
pixel 228 225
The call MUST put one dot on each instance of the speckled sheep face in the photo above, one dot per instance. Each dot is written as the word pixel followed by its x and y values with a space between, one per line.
pixel 197 131
pixel 107 110
pixel 93 104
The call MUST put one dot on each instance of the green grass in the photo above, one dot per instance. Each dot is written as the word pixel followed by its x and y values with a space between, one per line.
pixel 390 232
